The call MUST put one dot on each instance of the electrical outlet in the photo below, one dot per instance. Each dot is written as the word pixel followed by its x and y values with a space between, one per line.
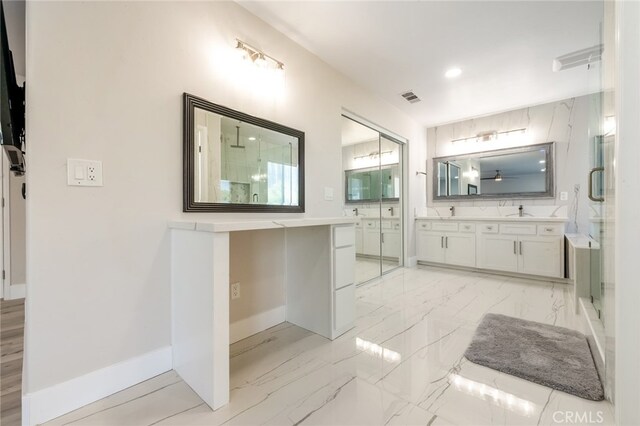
pixel 84 172
pixel 235 290
pixel 564 196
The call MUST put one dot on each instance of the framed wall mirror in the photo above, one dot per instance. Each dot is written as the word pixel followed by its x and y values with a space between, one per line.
pixel 523 172
pixel 234 162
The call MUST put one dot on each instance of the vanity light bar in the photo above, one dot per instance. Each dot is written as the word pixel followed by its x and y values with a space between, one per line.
pixel 257 56
pixel 374 154
pixel 488 136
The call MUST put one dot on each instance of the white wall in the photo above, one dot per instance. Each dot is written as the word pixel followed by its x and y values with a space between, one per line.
pixel 568 123
pixel 105 82
pixel 256 263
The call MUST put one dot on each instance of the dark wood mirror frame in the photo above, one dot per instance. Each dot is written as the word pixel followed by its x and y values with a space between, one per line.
pixel 190 102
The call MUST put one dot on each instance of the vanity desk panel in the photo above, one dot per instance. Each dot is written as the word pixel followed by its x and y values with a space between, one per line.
pixel 319 264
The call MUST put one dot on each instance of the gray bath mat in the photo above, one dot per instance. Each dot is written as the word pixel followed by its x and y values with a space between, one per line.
pixel 545 354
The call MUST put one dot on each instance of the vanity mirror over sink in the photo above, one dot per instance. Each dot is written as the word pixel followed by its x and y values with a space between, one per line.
pixel 234 162
pixel 523 172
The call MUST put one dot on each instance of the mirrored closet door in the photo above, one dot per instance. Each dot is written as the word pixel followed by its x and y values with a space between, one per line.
pixel 372 174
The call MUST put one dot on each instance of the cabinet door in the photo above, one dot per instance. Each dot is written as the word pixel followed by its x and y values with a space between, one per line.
pixel 372 242
pixel 540 256
pixel 391 244
pixel 344 314
pixel 460 249
pixel 498 252
pixel 344 265
pixel 430 247
pixel 359 241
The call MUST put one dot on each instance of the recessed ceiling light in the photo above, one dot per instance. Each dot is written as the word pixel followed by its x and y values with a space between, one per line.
pixel 543 170
pixel 251 138
pixel 453 72
pixel 542 161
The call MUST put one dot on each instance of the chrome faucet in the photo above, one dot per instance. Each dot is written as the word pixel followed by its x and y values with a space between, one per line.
pixel 390 210
pixel 520 211
pixel 355 211
pixel 453 210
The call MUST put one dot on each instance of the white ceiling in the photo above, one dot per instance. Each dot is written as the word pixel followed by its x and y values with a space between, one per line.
pixel 353 132
pixel 504 49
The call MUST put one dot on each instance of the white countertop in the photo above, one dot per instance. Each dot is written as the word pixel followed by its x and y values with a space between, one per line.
pixel 495 218
pixel 582 241
pixel 249 225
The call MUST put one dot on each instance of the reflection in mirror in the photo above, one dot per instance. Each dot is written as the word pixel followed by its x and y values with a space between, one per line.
pixel 509 173
pixel 373 184
pixel 240 163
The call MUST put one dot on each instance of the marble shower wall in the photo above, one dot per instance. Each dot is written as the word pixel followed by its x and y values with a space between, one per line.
pixel 567 123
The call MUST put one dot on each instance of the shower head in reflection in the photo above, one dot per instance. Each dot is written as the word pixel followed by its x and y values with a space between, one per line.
pixel 237 145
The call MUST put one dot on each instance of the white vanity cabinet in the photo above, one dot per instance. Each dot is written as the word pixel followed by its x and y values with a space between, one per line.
pixel 370 233
pixel 527 247
pixel 531 248
pixel 317 284
pixel 446 243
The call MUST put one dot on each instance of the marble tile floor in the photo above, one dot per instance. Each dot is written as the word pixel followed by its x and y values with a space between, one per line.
pixel 369 268
pixel 402 364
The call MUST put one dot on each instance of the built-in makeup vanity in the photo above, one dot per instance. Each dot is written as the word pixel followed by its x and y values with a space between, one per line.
pixel 524 245
pixel 317 259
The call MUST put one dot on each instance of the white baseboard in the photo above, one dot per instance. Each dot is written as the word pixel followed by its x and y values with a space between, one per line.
pixel 412 261
pixel 254 324
pixel 46 404
pixel 15 291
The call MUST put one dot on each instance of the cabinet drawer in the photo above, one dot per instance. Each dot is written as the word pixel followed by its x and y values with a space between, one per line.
pixel 467 227
pixel 344 236
pixel 550 230
pixel 344 307
pixel 344 265
pixel 440 226
pixel 371 224
pixel 517 229
pixel 489 228
pixel 424 226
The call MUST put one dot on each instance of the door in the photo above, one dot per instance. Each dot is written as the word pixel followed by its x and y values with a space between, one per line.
pixel 539 256
pixel 391 205
pixel 373 182
pixel 498 252
pixel 460 249
pixel 430 247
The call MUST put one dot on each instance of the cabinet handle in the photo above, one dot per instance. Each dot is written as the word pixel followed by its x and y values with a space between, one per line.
pixel 489 228
pixel 382 237
pixel 441 242
pixel 548 229
pixel 514 248
pixel 446 242
pixel 520 247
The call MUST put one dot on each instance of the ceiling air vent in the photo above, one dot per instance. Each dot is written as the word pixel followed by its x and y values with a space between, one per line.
pixel 411 97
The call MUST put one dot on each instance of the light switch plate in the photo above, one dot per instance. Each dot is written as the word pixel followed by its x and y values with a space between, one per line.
pixel 328 193
pixel 564 196
pixel 84 172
